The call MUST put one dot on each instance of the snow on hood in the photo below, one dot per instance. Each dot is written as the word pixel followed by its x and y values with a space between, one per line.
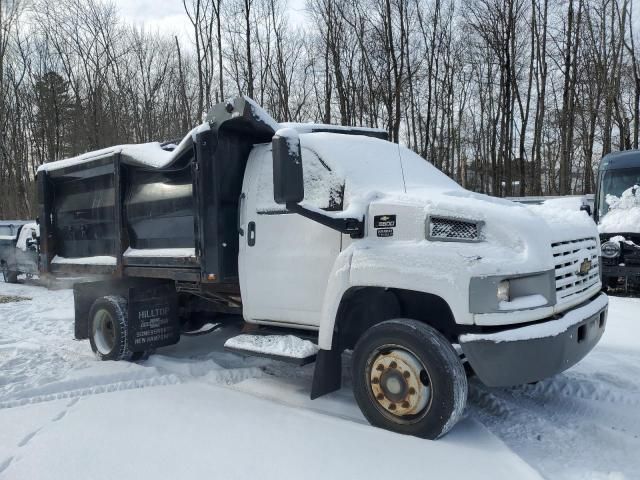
pixel 506 223
pixel 566 224
pixel 624 212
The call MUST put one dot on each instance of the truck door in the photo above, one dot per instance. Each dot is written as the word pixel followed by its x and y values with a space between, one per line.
pixel 285 259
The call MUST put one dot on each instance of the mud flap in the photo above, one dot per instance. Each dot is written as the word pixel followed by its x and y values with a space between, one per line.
pixel 327 375
pixel 153 317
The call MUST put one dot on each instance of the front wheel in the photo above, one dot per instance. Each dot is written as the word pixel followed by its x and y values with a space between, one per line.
pixel 408 378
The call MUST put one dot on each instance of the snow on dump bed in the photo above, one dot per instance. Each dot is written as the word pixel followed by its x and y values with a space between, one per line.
pixel 99 260
pixel 160 252
pixel 279 345
pixel 542 330
pixel 624 212
pixel 143 154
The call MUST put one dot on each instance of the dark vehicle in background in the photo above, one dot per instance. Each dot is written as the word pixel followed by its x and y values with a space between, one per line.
pixel 18 249
pixel 617 213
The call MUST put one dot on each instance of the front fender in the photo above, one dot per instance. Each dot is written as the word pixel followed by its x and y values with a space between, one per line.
pixel 402 265
pixel 339 282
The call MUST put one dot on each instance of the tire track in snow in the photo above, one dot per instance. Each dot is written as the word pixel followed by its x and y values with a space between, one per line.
pixel 220 377
pixel 546 424
pixel 5 464
pixel 27 438
pixel 94 390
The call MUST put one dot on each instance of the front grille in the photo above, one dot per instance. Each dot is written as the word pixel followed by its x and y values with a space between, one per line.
pixel 568 256
pixel 442 228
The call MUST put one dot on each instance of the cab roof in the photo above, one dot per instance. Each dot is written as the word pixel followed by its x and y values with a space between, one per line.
pixel 618 160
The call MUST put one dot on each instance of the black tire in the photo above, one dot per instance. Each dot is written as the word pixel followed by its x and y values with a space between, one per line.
pixel 11 277
pixel 444 388
pixel 108 329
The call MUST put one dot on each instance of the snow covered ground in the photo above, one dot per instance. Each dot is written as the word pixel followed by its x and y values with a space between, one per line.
pixel 193 411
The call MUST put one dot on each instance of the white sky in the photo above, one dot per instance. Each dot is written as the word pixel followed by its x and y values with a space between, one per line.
pixel 168 16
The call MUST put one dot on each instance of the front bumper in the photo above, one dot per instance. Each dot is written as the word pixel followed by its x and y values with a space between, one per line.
pixel 616 271
pixel 534 352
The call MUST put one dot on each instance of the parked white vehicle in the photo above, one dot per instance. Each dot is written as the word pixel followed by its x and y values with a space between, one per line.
pixel 356 243
pixel 18 249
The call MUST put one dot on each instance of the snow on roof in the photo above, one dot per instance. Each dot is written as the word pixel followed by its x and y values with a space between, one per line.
pixel 311 127
pixel 143 154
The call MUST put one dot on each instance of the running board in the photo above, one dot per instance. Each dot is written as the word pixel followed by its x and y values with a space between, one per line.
pixel 285 348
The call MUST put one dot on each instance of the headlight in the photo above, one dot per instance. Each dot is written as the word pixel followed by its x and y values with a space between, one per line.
pixel 453 229
pixel 610 249
pixel 503 291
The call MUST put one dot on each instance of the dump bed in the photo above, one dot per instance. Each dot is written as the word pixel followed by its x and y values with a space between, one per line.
pixel 153 211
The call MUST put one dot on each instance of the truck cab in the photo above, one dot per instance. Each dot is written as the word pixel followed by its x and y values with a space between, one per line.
pixel 617 213
pixel 338 239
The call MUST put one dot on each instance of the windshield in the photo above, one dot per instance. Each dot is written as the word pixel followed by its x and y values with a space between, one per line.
pixel 614 183
pixel 370 164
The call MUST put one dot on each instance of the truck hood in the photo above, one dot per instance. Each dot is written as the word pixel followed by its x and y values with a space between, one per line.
pixel 505 222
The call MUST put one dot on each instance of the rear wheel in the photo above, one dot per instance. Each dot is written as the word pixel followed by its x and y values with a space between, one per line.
pixel 108 328
pixel 10 277
pixel 409 379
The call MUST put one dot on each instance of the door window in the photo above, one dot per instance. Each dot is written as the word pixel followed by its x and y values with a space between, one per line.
pixel 323 188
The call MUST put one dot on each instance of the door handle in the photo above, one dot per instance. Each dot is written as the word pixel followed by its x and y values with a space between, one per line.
pixel 251 234
pixel 240 211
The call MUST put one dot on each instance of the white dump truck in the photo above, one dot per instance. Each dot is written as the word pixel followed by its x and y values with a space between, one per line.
pixel 328 240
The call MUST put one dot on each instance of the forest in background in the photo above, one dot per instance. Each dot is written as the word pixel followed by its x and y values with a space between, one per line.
pixel 507 97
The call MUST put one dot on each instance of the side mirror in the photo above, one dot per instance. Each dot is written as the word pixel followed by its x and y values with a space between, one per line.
pixel 586 208
pixel 288 186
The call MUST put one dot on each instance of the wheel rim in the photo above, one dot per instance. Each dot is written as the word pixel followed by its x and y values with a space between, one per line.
pixel 104 332
pixel 399 384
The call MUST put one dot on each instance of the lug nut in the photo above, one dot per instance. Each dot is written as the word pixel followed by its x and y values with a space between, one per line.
pixel 375 381
pixel 412 391
pixel 405 404
pixel 393 365
pixel 406 374
pixel 380 367
pixel 380 396
pixel 392 406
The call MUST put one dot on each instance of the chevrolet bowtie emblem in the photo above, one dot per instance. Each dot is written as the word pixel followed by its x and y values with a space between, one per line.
pixel 585 267
pixel 384 218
